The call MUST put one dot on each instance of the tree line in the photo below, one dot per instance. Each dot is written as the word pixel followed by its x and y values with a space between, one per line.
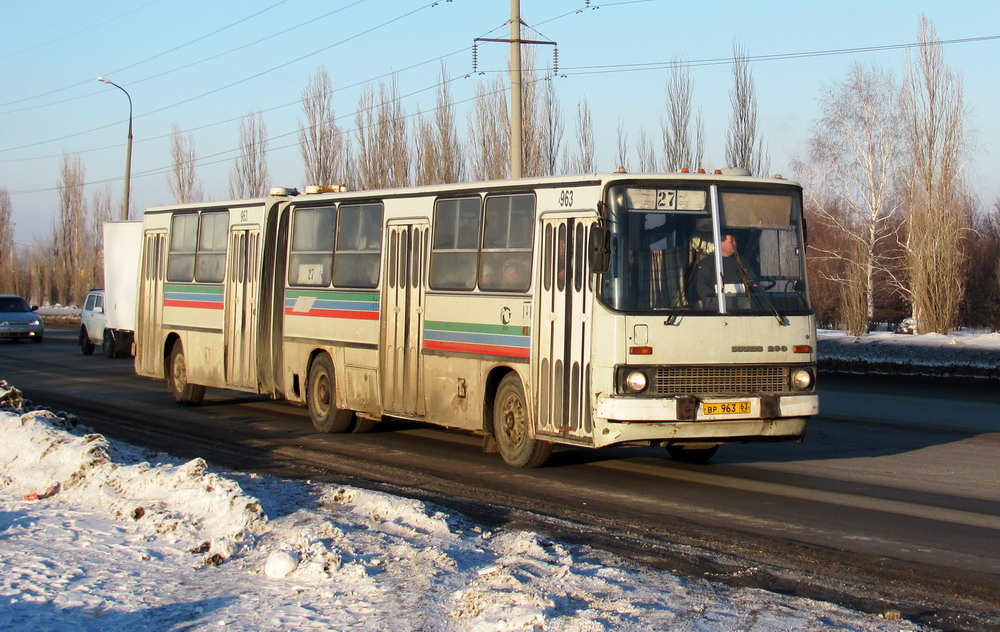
pixel 893 227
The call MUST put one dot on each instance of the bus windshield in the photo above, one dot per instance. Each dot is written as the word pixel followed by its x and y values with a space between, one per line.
pixel 667 244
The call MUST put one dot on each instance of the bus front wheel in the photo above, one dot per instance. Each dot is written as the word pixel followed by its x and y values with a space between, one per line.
pixel 321 396
pixel 511 427
pixel 183 391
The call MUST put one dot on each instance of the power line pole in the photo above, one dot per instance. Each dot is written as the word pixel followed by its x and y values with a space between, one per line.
pixel 516 110
pixel 516 121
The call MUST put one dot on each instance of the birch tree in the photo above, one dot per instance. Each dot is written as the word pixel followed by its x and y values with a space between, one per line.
pixel 645 152
pixel 7 252
pixel 853 156
pixel 249 176
pixel 182 179
pixel 744 147
pixel 933 112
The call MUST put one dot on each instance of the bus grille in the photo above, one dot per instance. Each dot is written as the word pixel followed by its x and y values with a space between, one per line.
pixel 720 380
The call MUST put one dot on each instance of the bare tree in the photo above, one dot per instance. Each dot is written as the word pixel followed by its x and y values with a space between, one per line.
pixel 646 152
pixel 183 181
pixel 854 154
pixel 383 158
pixel 489 132
pixel 933 111
pixel 70 278
pixel 550 126
pixel 7 252
pixel 744 148
pixel 321 140
pixel 249 176
pixel 582 161
pixel 621 158
pixel 439 156
pixel 682 145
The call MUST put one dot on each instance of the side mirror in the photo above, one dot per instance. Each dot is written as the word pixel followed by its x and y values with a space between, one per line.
pixel 599 249
pixel 34 308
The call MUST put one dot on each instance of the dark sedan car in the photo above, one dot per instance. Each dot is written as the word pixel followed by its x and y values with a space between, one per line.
pixel 19 320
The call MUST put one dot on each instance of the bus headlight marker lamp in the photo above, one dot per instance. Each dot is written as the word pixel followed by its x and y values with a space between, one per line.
pixel 802 379
pixel 636 382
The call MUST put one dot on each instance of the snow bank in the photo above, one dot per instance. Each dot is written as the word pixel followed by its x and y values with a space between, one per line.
pixel 99 535
pixel 960 354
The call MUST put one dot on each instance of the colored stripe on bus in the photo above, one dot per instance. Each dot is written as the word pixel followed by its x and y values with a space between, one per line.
pixel 193 296
pixel 342 305
pixel 478 338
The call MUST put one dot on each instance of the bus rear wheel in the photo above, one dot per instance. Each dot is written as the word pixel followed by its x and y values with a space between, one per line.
pixel 184 392
pixel 321 396
pixel 511 427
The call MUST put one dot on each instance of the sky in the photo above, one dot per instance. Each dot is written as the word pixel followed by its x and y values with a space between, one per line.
pixel 204 65
pixel 98 534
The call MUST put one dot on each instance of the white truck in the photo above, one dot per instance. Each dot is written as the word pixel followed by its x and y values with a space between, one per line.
pixel 108 317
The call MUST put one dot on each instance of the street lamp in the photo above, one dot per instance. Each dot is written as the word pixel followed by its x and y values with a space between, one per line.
pixel 128 149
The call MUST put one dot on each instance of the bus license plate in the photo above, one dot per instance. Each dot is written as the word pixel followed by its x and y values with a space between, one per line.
pixel 725 408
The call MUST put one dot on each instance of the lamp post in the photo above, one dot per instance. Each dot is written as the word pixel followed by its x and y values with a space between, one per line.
pixel 128 148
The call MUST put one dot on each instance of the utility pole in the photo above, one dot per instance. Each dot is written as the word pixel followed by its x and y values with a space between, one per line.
pixel 516 110
pixel 516 121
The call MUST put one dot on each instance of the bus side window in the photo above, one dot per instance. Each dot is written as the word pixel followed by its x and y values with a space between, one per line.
pixel 210 266
pixel 359 245
pixel 507 238
pixel 455 250
pixel 311 260
pixel 183 246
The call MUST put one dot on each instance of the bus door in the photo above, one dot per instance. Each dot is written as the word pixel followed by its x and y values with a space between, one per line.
pixel 402 374
pixel 242 285
pixel 149 321
pixel 563 322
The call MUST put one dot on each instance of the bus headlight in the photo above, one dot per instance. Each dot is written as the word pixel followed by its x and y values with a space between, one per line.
pixel 636 382
pixel 802 379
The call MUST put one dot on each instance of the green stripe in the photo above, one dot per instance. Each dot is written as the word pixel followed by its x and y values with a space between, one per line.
pixel 478 328
pixel 332 296
pixel 192 289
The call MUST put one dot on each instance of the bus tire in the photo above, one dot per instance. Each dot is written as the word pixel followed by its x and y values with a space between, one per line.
pixel 321 396
pixel 184 392
pixel 362 425
pixel 694 456
pixel 511 427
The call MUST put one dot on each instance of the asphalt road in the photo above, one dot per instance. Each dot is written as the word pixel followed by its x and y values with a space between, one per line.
pixel 891 503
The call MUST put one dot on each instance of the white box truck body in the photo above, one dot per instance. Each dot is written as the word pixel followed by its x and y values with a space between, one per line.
pixel 122 249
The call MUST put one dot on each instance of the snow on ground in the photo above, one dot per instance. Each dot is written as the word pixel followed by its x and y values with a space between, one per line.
pixel 959 354
pixel 97 534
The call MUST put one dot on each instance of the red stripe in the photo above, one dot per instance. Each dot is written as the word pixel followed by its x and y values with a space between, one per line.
pixel 333 313
pixel 195 304
pixel 465 347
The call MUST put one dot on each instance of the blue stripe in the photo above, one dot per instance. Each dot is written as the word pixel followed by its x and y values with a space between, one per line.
pixel 357 306
pixel 480 339
pixel 203 298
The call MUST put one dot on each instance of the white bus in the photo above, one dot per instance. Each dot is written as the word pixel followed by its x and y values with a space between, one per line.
pixel 589 311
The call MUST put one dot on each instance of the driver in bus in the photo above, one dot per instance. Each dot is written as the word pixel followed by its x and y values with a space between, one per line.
pixel 704 281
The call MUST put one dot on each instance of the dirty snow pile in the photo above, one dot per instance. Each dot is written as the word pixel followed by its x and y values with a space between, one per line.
pixel 99 535
pixel 958 354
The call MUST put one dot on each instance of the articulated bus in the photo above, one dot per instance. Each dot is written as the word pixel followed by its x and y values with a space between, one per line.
pixel 589 311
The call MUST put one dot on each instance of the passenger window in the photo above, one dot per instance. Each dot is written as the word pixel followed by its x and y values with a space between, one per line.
pixel 211 260
pixel 183 247
pixel 455 251
pixel 311 260
pixel 359 246
pixel 507 237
